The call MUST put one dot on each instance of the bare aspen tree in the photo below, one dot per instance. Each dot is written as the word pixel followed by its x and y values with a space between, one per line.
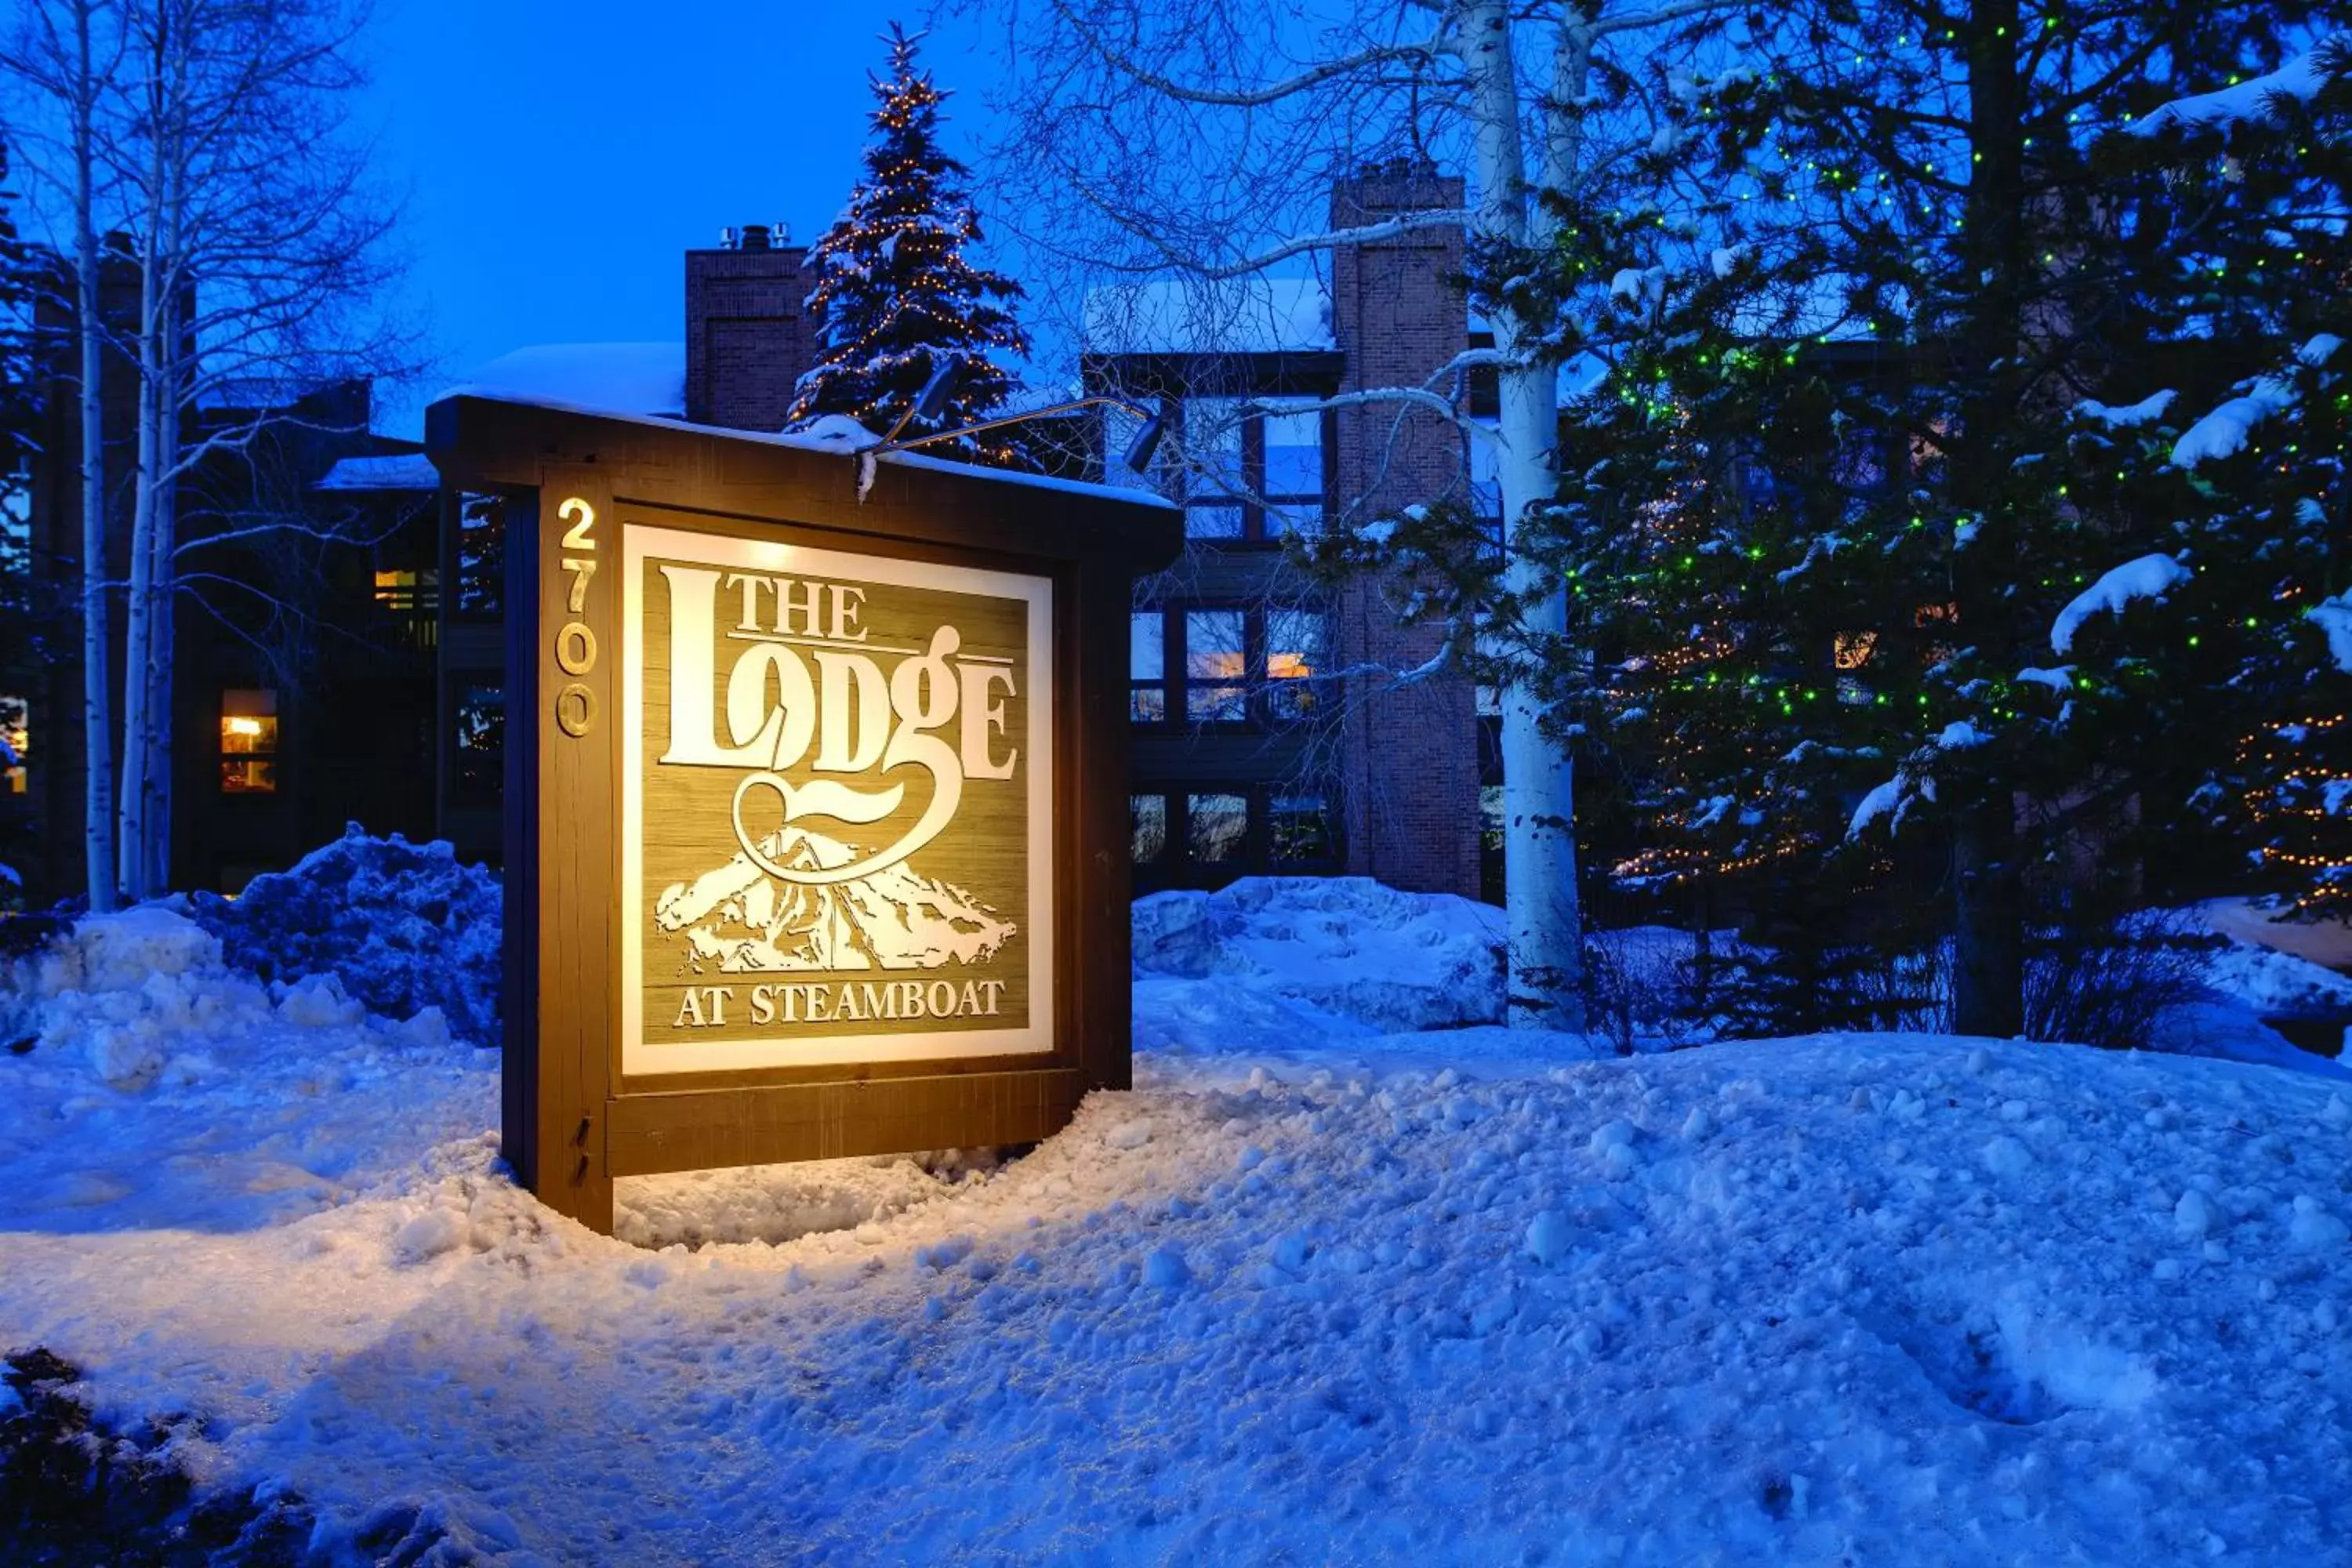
pixel 1190 139
pixel 212 136
pixel 62 57
pixel 253 203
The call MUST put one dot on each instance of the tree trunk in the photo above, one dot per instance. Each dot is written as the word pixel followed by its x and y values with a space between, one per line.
pixel 98 704
pixel 137 649
pixel 162 618
pixel 1988 929
pixel 1546 956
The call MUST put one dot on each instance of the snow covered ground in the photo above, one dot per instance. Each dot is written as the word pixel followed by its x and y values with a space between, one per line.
pixel 1349 1276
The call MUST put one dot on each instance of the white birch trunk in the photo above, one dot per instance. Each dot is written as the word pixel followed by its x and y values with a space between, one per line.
pixel 98 704
pixel 138 649
pixel 1547 955
pixel 161 619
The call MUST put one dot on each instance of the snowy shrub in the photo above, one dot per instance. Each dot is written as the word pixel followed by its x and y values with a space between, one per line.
pixel 75 1489
pixel 2109 982
pixel 401 926
pixel 1646 984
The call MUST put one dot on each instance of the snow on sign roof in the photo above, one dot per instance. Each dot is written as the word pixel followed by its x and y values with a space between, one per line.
pixel 1187 315
pixel 405 471
pixel 615 378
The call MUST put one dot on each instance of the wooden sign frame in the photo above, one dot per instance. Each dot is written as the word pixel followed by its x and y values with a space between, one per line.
pixel 580 489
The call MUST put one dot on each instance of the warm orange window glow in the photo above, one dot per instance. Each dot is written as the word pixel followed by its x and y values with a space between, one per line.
pixel 248 741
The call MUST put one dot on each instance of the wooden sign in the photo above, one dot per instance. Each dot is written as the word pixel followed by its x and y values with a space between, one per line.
pixel 817 844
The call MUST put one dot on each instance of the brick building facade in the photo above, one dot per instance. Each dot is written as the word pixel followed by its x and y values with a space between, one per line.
pixel 302 644
pixel 1250 756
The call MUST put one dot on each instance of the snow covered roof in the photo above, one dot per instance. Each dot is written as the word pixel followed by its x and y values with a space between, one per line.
pixel 402 472
pixel 840 434
pixel 1189 315
pixel 608 378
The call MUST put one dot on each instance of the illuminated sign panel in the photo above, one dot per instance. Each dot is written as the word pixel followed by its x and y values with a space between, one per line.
pixel 836 806
pixel 815 803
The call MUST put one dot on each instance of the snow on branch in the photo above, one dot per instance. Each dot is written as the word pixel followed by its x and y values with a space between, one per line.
pixel 1418 396
pixel 1331 240
pixel 2149 577
pixel 2334 617
pixel 2129 415
pixel 2223 432
pixel 2250 101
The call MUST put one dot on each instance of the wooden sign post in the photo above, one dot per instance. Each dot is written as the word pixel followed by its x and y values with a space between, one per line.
pixel 815 795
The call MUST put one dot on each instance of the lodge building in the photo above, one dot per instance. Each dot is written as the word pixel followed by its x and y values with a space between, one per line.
pixel 1271 733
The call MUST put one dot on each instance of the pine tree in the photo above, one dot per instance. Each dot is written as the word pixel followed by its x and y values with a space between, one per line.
pixel 1841 491
pixel 896 293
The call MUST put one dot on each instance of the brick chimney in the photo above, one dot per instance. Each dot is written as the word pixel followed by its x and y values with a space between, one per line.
pixel 748 333
pixel 1409 756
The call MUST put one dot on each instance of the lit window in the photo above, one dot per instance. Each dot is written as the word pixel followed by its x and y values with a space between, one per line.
pixel 1146 667
pixel 1300 829
pixel 1216 829
pixel 15 741
pixel 1147 816
pixel 248 741
pixel 1216 662
pixel 1853 649
pixel 1214 483
pixel 396 592
pixel 1293 654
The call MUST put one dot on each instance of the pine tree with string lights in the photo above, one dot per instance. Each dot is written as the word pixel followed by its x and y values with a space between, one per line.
pixel 1874 531
pixel 896 292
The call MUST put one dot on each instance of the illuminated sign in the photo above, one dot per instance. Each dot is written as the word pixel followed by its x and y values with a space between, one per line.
pixel 836 820
pixel 814 802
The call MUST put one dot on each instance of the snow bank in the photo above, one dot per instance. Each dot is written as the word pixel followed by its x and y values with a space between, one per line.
pixel 1383 961
pixel 2148 577
pixel 404 927
pixel 148 1083
pixel 1875 1300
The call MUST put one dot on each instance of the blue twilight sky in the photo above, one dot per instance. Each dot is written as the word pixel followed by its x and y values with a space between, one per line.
pixel 561 155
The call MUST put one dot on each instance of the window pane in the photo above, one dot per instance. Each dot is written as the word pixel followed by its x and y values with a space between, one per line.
pixel 481 739
pixel 1146 702
pixel 16 726
pixel 249 739
pixel 1147 816
pixel 1295 640
pixel 1216 829
pixel 1486 480
pixel 1294 469
pixel 1215 664
pixel 1214 484
pixel 1147 645
pixel 1300 827
pixel 481 556
pixel 249 724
